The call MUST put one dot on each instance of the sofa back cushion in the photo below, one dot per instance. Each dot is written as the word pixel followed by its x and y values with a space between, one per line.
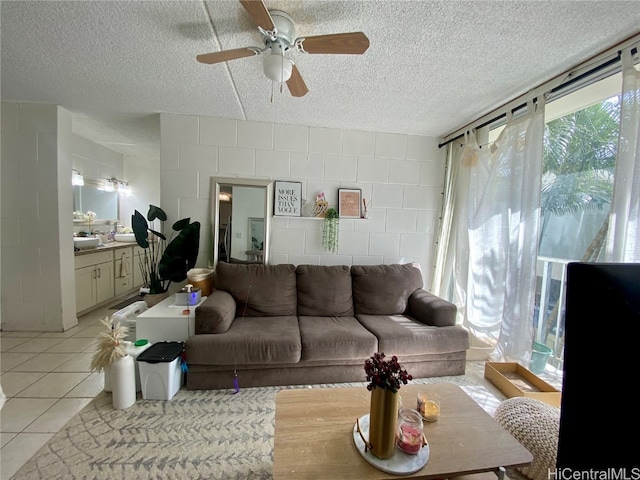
pixel 259 290
pixel 324 291
pixel 384 289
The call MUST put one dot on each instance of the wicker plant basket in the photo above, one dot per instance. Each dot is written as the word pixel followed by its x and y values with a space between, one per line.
pixel 320 210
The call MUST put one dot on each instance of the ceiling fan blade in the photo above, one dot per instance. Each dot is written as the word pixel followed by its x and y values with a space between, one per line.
pixel 347 43
pixel 259 14
pixel 296 84
pixel 225 55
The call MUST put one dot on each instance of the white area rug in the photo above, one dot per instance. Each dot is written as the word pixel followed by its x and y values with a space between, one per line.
pixel 197 435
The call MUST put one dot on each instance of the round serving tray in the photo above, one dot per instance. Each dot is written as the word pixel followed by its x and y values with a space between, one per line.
pixel 399 464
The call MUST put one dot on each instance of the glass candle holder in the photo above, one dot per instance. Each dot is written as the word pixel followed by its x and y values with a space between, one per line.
pixel 409 431
pixel 429 406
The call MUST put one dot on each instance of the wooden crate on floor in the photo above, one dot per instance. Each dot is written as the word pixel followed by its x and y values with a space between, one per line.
pixel 514 380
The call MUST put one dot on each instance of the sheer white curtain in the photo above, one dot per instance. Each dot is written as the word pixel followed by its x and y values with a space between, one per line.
pixel 623 243
pixel 441 279
pixel 493 239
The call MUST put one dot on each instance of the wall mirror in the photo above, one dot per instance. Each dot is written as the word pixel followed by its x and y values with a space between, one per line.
pixel 92 196
pixel 241 219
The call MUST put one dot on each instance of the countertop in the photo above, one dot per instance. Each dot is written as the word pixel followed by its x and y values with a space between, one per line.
pixel 106 247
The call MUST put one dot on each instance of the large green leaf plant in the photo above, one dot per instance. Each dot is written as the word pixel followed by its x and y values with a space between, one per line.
pixel 164 261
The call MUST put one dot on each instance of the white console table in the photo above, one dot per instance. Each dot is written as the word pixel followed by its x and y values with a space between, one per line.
pixel 167 322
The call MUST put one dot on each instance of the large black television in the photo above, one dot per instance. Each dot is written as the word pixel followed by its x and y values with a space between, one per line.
pixel 600 406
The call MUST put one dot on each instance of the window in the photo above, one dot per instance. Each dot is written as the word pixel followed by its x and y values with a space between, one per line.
pixel 580 146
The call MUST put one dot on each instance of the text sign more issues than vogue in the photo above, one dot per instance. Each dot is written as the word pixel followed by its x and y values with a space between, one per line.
pixel 288 197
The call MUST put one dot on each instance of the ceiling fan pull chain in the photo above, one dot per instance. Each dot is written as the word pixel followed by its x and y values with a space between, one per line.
pixel 272 83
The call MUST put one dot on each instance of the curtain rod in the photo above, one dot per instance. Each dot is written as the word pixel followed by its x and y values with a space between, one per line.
pixel 561 86
pixel 484 124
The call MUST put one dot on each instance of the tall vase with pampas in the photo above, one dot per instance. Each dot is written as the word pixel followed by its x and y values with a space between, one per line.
pixel 111 354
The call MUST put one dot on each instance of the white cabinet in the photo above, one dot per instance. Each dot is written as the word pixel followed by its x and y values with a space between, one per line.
pixel 106 274
pixel 167 322
pixel 94 279
pixel 123 270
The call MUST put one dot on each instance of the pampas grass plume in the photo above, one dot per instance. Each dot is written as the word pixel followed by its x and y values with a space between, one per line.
pixel 110 345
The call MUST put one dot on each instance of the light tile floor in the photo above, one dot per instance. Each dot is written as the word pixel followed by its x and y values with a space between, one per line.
pixel 46 378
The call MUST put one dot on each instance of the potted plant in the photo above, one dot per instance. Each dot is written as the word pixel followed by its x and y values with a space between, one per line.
pixel 165 261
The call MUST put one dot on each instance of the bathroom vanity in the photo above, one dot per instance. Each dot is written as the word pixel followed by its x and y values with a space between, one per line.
pixel 105 274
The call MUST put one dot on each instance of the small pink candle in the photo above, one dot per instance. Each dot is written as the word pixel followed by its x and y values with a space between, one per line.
pixel 410 439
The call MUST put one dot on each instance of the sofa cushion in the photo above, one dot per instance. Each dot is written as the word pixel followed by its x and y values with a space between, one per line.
pixel 249 341
pixel 324 290
pixel 335 338
pixel 216 313
pixel 384 289
pixel 265 290
pixel 403 336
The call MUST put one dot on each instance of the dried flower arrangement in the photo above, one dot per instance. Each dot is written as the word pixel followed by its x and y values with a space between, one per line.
pixel 110 345
pixel 385 374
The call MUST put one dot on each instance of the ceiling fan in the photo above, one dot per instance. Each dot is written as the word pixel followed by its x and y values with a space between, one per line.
pixel 278 33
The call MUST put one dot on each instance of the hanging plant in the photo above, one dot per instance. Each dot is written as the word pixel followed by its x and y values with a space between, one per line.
pixel 331 230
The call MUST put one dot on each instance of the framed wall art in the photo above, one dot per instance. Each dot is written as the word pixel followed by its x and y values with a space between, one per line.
pixel 287 200
pixel 349 202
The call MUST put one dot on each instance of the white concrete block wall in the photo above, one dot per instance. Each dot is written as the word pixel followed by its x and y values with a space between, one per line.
pixel 401 175
pixel 63 262
pixel 143 175
pixel 95 161
pixel 37 258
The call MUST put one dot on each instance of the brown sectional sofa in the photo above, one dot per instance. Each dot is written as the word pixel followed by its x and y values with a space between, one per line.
pixel 310 324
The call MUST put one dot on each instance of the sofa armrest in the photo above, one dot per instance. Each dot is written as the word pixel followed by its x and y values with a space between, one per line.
pixel 431 309
pixel 216 313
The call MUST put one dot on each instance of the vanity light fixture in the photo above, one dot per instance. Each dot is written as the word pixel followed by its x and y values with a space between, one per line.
pixel 124 188
pixel 77 178
pixel 224 197
pixel 114 185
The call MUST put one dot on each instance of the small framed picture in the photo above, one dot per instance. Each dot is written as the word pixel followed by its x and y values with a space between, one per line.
pixel 349 202
pixel 287 200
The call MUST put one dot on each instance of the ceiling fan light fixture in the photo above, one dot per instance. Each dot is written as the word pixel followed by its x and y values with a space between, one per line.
pixel 277 67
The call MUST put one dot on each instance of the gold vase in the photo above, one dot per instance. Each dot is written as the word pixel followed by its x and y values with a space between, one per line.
pixel 383 416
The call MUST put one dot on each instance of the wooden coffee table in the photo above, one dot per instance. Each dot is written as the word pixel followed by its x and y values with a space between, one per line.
pixel 314 440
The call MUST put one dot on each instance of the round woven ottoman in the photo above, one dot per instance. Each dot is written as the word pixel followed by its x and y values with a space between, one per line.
pixel 535 425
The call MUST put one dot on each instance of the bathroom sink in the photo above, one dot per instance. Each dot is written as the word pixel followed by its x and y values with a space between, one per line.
pixel 125 237
pixel 84 243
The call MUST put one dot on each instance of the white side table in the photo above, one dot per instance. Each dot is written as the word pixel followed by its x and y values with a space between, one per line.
pixel 167 322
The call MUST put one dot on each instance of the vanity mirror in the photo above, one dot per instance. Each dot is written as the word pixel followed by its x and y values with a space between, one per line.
pixel 241 219
pixel 91 196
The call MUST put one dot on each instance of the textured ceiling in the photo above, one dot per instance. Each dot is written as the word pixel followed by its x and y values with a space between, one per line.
pixel 432 67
